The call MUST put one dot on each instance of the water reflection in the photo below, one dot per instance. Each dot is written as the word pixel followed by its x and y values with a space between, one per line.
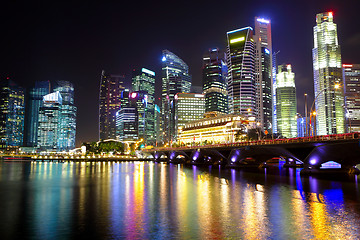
pixel 142 200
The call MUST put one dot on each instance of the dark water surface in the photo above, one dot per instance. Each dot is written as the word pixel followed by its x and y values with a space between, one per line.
pixel 145 200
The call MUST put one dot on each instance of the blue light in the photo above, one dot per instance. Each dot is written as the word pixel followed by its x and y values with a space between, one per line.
pixel 237 30
pixel 163 59
pixel 267 51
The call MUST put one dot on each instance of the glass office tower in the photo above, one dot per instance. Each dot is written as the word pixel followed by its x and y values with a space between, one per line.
pixel 12 112
pixel 214 81
pixel 67 134
pixel 351 75
pixel 143 82
pixel 286 102
pixel 33 104
pixel 241 80
pixel 175 79
pixel 329 100
pixel 263 73
pixel 188 107
pixel 111 87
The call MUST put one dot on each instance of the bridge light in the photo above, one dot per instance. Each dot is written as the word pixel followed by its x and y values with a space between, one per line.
pixel 313 161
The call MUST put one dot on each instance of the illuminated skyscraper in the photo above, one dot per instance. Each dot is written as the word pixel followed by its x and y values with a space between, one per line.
pixel 175 79
pixel 143 83
pixel 329 101
pixel 67 134
pixel 241 81
pixel 188 107
pixel 109 103
pixel 12 111
pixel 33 104
pixel 351 74
pixel 263 73
pixel 57 119
pixel 214 81
pixel 286 102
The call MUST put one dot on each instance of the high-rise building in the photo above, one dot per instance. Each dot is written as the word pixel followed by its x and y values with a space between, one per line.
pixel 175 79
pixel 263 73
pixel 127 124
pixel 143 84
pixel 188 107
pixel 49 127
pixel 286 102
pixel 351 76
pixel 240 59
pixel 274 72
pixel 12 111
pixel 67 135
pixel 329 100
pixel 33 103
pixel 301 127
pixel 111 87
pixel 214 81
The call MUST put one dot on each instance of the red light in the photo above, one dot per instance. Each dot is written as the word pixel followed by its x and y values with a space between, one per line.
pixel 7 78
pixel 330 14
pixel 347 65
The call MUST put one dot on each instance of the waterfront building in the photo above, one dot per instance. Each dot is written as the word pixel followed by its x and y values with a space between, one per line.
pixel 301 127
pixel 351 76
pixel 33 103
pixel 263 73
pixel 158 132
pixel 240 59
pixel 12 112
pixel 286 102
pixel 67 134
pixel 214 81
pixel 50 117
pixel 274 72
pixel 127 124
pixel 109 103
pixel 143 83
pixel 175 79
pixel 327 67
pixel 219 129
pixel 188 107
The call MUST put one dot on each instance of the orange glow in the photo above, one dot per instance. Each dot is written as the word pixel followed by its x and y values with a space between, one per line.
pixel 347 65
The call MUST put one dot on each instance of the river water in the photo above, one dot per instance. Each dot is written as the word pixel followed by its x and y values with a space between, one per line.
pixel 145 200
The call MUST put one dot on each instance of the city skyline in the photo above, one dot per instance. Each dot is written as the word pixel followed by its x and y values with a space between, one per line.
pixel 49 63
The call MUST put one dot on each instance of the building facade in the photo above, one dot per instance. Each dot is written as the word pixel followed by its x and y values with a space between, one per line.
pixel 188 107
pixel 327 75
pixel 286 102
pixel 214 81
pixel 240 59
pixel 111 87
pixel 67 127
pixel 213 130
pixel 175 79
pixel 143 83
pixel 12 113
pixel 263 73
pixel 351 76
pixel 33 103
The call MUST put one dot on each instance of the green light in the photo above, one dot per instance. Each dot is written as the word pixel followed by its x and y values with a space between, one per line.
pixel 235 40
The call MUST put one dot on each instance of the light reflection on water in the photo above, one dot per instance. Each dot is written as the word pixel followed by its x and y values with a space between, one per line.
pixel 145 200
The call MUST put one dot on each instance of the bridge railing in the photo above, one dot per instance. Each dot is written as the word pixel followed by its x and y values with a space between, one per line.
pixel 321 138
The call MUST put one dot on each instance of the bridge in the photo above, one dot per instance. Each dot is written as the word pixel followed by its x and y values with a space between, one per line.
pixel 339 152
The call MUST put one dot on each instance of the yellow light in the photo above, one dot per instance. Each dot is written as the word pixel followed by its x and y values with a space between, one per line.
pixel 337 86
pixel 235 40
pixel 249 109
pixel 314 113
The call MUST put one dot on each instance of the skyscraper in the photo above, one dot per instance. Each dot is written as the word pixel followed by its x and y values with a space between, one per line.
pixel 263 73
pixel 33 104
pixel 214 81
pixel 109 103
pixel 240 61
pixel 329 101
pixel 67 127
pixel 351 74
pixel 188 107
pixel 286 102
pixel 175 79
pixel 49 127
pixel 12 110
pixel 143 82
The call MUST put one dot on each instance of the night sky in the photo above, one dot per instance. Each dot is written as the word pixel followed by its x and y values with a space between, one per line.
pixel 74 41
